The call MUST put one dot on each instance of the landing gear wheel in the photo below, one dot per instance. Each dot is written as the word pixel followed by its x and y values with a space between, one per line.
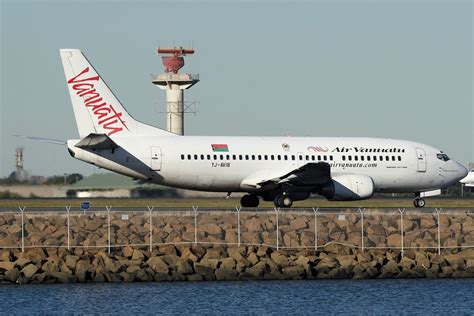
pixel 419 202
pixel 283 201
pixel 249 200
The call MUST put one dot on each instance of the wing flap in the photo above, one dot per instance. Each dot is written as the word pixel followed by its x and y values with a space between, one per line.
pixel 311 174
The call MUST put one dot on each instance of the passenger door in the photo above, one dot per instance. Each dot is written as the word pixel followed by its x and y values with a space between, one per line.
pixel 155 158
pixel 421 159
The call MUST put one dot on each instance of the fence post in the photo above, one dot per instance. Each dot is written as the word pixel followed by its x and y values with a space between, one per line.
pixel 238 208
pixel 68 209
pixel 150 209
pixel 402 210
pixel 195 209
pixel 108 226
pixel 439 230
pixel 22 210
pixel 277 210
pixel 315 228
pixel 362 228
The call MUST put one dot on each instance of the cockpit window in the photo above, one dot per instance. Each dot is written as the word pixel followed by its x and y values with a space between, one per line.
pixel 442 157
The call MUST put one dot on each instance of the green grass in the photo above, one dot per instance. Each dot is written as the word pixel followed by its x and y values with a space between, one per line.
pixel 233 202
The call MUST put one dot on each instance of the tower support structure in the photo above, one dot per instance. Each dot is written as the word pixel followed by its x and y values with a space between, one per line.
pixel 174 84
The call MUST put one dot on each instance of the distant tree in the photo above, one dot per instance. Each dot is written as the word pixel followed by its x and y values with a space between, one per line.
pixel 70 179
pixel 74 177
pixel 11 179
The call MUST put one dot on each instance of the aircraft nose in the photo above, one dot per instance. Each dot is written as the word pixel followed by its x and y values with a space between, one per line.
pixel 461 171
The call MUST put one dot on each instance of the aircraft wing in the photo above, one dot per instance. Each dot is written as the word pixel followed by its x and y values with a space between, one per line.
pixel 311 174
pixel 97 142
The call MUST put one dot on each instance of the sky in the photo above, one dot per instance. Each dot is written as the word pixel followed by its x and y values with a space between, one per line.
pixel 392 69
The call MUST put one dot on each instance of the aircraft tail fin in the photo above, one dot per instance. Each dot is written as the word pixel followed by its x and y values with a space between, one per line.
pixel 96 108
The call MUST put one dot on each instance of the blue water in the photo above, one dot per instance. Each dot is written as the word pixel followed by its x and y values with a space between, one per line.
pixel 264 297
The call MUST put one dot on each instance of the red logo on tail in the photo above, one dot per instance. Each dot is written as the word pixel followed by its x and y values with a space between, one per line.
pixel 105 113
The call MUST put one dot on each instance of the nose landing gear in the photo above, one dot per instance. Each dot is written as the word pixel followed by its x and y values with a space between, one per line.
pixel 419 202
pixel 249 200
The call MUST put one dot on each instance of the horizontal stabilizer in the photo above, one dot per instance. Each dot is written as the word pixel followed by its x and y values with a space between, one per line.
pixel 97 142
pixel 46 140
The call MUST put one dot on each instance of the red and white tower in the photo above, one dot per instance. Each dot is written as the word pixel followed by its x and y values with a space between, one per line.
pixel 174 83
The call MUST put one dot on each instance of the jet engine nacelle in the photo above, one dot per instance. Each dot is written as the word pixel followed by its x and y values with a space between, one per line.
pixel 350 187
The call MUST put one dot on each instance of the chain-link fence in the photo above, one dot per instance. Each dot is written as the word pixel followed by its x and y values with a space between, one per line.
pixel 400 229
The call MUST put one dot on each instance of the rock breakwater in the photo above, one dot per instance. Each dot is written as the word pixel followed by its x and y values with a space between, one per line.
pixel 125 246
pixel 199 263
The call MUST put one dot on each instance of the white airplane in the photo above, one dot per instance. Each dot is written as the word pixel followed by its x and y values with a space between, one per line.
pixel 468 181
pixel 279 169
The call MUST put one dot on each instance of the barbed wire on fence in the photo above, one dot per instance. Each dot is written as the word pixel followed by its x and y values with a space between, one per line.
pixel 315 228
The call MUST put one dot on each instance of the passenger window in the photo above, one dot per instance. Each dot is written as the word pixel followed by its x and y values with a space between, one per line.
pixel 189 157
pixel 362 158
pixel 240 157
pixel 253 157
pixel 265 157
pixel 286 157
pixel 221 157
pixel 215 157
pixel 381 158
pixel 234 157
pixel 393 158
pixel 331 158
pixel 356 158
pixel 272 157
pixel 368 158
pixel 399 158
pixel 182 157
pixel 307 157
pixel 202 157
pixel 319 157
pixel 387 158
pixel 227 157
pixel 246 157
pixel 301 157
pixel 293 157
pixel 279 157
pixel 350 158
pixel 208 157
pixel 343 158
pixel 259 157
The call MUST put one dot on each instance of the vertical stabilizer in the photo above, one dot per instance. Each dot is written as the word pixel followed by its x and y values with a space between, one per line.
pixel 96 108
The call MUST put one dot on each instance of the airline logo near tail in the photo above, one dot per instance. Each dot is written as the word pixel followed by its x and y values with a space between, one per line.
pixel 105 114
pixel 96 108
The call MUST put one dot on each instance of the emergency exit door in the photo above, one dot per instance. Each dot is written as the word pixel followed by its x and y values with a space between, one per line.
pixel 155 158
pixel 421 159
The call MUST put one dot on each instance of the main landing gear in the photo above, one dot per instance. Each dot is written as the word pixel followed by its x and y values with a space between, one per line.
pixel 419 202
pixel 283 200
pixel 249 200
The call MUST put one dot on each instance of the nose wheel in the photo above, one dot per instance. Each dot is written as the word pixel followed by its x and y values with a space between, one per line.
pixel 249 200
pixel 419 202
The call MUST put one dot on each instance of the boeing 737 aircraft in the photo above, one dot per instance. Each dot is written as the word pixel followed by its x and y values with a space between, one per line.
pixel 279 169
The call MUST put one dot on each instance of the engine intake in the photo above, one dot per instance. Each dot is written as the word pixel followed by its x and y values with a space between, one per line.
pixel 349 187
